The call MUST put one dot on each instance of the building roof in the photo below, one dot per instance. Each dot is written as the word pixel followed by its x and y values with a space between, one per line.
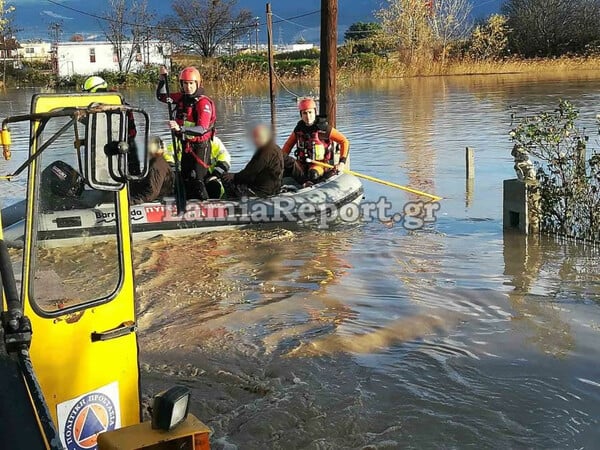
pixel 100 43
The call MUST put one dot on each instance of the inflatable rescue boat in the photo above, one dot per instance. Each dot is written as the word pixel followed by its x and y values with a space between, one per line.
pixel 324 203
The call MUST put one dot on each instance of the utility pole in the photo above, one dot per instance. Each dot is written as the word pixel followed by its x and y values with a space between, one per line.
pixel 55 29
pixel 256 30
pixel 271 65
pixel 329 34
pixel 231 41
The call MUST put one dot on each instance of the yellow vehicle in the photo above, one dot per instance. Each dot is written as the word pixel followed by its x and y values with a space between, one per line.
pixel 72 379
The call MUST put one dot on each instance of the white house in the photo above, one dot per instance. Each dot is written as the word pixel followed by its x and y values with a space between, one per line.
pixel 90 57
pixel 35 51
pixel 299 47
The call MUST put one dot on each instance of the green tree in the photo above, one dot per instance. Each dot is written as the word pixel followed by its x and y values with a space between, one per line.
pixel 362 30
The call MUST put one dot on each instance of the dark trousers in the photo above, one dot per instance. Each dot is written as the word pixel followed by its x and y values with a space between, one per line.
pixel 134 158
pixel 192 171
pixel 294 169
pixel 234 191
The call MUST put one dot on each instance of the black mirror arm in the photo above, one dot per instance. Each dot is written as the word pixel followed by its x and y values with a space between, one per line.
pixel 44 146
pixel 78 143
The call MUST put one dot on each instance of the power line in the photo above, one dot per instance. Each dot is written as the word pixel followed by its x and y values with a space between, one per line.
pixel 311 13
pixel 282 19
pixel 485 3
pixel 165 28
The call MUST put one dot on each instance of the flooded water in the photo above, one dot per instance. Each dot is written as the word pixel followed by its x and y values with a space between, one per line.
pixel 372 336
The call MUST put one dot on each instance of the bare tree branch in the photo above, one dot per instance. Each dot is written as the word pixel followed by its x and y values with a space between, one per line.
pixel 205 25
pixel 128 29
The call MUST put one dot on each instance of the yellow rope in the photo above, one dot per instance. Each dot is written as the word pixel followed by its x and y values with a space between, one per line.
pixel 435 198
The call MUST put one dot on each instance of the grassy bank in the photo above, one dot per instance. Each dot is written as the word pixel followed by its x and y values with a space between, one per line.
pixel 539 67
pixel 234 70
pixel 231 75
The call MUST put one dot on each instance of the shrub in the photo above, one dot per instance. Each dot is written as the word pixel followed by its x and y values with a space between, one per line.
pixel 489 40
pixel 568 173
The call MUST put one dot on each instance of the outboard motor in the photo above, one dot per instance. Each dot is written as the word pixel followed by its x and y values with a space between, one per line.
pixel 61 186
pixel 62 180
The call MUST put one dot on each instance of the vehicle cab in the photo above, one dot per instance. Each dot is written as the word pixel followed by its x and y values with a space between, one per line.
pixel 69 326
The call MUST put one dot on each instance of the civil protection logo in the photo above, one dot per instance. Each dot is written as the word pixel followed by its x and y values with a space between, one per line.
pixel 91 415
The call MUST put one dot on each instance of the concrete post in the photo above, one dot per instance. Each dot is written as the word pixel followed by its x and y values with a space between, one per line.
pixel 521 207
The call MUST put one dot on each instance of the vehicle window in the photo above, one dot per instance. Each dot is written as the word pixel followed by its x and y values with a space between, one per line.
pixel 75 258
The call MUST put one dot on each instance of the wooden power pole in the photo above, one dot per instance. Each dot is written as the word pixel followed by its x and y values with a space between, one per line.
pixel 329 36
pixel 271 66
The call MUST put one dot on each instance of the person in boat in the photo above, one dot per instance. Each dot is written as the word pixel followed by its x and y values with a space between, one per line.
pixel 262 175
pixel 220 163
pixel 315 140
pixel 194 126
pixel 95 84
pixel 159 182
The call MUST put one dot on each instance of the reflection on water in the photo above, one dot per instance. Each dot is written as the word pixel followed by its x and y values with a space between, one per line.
pixel 575 269
pixel 68 276
pixel 373 336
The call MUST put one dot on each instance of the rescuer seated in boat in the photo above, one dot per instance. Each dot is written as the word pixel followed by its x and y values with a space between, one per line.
pixel 262 175
pixel 159 181
pixel 315 140
pixel 220 163
pixel 96 84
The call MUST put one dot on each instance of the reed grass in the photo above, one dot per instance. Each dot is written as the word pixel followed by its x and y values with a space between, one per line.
pixel 567 66
pixel 230 74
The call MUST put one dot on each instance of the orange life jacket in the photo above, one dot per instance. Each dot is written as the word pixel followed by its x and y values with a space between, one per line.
pixel 313 143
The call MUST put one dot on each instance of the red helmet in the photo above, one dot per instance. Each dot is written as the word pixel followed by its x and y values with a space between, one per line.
pixel 190 74
pixel 306 103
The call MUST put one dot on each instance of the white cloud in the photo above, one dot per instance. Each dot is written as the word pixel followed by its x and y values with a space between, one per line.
pixel 29 2
pixel 55 15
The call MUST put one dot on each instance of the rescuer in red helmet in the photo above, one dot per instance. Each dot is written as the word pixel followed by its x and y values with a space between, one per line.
pixel 315 140
pixel 194 125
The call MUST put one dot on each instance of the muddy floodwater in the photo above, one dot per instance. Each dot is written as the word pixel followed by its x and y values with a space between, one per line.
pixel 372 336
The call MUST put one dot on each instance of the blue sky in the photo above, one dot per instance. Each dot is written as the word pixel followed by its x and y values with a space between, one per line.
pixel 34 16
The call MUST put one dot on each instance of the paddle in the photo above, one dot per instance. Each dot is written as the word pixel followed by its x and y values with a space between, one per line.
pixel 435 198
pixel 180 200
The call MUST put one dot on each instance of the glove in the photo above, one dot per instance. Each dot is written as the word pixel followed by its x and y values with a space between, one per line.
pixel 322 123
